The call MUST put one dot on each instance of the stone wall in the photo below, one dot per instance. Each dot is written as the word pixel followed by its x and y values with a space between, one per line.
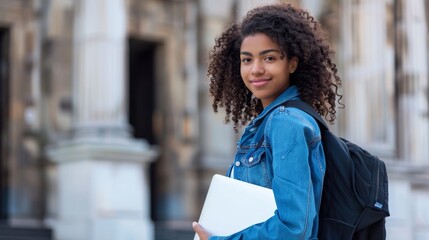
pixel 381 55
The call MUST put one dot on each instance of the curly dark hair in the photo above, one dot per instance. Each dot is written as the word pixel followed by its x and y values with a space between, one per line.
pixel 298 35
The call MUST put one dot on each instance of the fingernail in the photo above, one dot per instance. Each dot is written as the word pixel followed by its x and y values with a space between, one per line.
pixel 194 223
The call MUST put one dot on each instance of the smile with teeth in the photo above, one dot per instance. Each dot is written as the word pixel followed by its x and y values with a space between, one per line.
pixel 259 82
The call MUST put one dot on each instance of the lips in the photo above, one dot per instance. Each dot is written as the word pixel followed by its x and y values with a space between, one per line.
pixel 259 82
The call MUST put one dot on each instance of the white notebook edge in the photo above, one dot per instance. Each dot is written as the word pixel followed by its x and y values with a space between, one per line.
pixel 250 192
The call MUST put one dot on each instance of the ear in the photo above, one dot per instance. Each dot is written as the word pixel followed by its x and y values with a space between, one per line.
pixel 293 64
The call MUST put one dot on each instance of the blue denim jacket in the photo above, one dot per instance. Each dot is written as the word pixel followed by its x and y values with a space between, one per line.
pixel 290 160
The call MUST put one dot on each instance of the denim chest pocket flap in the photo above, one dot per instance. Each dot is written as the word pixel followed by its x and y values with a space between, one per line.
pixel 253 157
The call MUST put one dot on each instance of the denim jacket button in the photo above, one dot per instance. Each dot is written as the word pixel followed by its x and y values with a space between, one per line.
pixel 237 163
pixel 251 159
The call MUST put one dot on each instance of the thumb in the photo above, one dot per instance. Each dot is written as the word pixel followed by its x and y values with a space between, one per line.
pixel 196 226
pixel 202 232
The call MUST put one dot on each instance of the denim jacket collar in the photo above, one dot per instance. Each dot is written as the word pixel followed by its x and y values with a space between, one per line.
pixel 290 93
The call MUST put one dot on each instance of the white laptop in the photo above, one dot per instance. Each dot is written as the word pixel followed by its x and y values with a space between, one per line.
pixel 232 205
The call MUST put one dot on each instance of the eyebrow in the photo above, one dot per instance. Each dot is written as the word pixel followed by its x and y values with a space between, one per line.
pixel 261 53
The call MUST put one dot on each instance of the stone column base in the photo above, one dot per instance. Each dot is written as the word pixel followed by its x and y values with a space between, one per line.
pixel 102 190
pixel 104 229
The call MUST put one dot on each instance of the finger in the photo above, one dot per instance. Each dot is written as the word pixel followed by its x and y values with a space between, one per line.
pixel 197 227
pixel 200 230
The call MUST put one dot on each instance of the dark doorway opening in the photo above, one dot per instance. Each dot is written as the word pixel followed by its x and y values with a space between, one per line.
pixel 4 113
pixel 142 89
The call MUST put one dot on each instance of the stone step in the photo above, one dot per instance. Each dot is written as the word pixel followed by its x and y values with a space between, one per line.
pixel 25 233
pixel 167 232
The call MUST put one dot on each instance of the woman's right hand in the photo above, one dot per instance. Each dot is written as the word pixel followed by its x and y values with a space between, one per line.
pixel 202 233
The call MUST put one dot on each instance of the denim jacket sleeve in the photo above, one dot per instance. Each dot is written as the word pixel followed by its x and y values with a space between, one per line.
pixel 291 136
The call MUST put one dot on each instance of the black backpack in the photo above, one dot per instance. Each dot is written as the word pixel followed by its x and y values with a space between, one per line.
pixel 355 193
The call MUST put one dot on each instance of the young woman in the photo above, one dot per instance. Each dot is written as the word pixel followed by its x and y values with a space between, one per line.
pixel 276 54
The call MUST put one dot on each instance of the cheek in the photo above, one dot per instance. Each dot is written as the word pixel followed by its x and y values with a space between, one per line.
pixel 243 72
pixel 281 71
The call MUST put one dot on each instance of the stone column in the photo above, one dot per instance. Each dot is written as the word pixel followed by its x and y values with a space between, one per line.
pixel 103 190
pixel 411 81
pixel 365 60
pixel 408 179
pixel 99 67
pixel 245 5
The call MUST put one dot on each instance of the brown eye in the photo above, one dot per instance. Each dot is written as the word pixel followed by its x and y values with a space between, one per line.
pixel 269 59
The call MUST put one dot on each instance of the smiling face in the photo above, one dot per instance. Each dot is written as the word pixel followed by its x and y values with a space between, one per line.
pixel 264 68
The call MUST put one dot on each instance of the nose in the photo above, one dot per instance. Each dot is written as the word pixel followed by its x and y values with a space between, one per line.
pixel 257 68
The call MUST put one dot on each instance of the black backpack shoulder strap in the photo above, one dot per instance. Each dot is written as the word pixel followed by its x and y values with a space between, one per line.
pixel 308 109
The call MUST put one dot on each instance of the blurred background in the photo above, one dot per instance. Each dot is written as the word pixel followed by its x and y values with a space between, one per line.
pixel 107 130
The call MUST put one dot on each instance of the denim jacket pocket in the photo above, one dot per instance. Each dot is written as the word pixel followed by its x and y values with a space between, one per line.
pixel 253 158
pixel 255 169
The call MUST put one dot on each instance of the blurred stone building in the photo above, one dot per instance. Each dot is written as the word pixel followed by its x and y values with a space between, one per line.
pixel 107 130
